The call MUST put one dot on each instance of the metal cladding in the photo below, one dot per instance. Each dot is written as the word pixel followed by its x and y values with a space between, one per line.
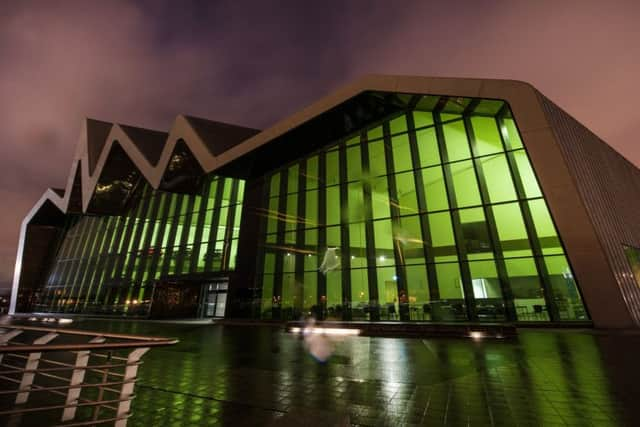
pixel 592 192
pixel 608 185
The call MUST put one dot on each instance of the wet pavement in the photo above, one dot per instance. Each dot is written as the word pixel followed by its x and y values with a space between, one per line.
pixel 260 375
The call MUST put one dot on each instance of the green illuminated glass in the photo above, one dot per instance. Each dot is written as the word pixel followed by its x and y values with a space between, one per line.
pixel 406 192
pixel 511 135
pixel 426 139
pixel 455 137
pixel 465 184
pixel 354 163
pixel 377 161
pixel 498 179
pixel 400 144
pixel 459 224
pixel 107 263
pixel 527 176
pixel 475 234
pixel 435 189
pixel 442 238
pixel 487 138
pixel 512 231
pixel 545 230
pixel 527 289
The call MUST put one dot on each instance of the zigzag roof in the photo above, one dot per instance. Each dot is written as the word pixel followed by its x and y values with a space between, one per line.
pixel 149 150
pixel 214 144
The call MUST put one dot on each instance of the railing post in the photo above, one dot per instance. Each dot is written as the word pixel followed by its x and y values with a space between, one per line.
pixel 126 393
pixel 77 378
pixel 32 365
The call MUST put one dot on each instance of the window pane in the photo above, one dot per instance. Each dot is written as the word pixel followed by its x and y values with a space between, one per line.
pixel 374 134
pixel 418 288
pixel 511 230
pixel 406 190
pixel 451 305
pixel 333 237
pixel 547 236
pixel 464 183
pixel 333 205
pixel 442 238
pixel 380 198
pixel 511 135
pixel 359 293
pixel 311 208
pixel 529 181
pixel 565 292
pixel 310 292
pixel 354 163
pixel 357 242
pixel 434 189
pixel 455 138
pixel 388 293
pixel 383 242
pixel 377 165
pixel 527 290
pixel 486 291
pixel 476 234
pixel 409 237
pixel 334 294
pixel 312 173
pixel 633 256
pixel 498 178
pixel 355 202
pixel 487 138
pixel 426 139
pixel 272 222
pixel 400 144
pixel 333 168
pixel 292 212
pixel 292 179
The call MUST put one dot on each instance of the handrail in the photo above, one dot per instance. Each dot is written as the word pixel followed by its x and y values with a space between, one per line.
pixel 62 378
pixel 78 347
pixel 83 332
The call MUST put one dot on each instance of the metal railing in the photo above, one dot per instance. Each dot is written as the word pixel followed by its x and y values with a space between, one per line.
pixel 68 377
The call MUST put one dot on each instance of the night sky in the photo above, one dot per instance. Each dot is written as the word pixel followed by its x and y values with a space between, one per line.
pixel 253 63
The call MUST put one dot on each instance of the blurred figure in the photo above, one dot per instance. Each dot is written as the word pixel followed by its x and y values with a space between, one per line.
pixel 319 346
pixel 330 262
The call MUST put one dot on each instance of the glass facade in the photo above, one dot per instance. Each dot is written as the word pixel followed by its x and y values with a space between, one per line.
pixel 110 264
pixel 433 214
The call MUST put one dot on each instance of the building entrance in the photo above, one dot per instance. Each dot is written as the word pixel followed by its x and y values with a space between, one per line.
pixel 214 298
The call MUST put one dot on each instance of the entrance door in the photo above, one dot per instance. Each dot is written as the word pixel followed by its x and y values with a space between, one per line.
pixel 215 299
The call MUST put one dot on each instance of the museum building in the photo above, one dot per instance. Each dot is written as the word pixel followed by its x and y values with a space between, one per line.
pixel 394 199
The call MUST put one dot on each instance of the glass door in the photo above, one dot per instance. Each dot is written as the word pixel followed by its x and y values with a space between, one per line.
pixel 215 300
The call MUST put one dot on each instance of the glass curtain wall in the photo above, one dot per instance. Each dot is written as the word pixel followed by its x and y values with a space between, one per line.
pixel 109 264
pixel 432 215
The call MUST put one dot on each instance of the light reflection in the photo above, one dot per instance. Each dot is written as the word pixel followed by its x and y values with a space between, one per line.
pixel 476 335
pixel 326 331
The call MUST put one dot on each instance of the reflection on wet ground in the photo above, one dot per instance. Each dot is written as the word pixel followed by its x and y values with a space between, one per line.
pixel 260 375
